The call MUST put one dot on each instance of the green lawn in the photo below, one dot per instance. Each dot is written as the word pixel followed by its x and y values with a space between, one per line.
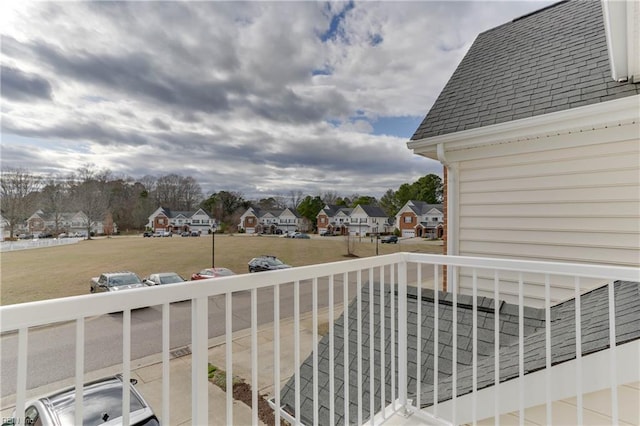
pixel 48 273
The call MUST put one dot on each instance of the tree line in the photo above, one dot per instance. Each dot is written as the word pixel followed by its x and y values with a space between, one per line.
pixel 128 202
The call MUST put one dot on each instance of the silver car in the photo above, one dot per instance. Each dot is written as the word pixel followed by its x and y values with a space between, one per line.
pixel 102 405
pixel 163 278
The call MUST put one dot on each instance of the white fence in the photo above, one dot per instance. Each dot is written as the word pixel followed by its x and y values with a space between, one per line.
pixel 36 243
pixel 389 330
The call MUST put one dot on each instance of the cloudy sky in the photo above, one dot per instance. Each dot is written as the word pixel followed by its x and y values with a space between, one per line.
pixel 258 97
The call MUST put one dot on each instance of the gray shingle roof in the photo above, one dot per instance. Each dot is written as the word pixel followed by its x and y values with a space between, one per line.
pixel 552 60
pixel 594 308
pixel 420 207
pixel 373 211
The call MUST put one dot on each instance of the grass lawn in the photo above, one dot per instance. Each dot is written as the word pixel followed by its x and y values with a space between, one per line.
pixel 47 273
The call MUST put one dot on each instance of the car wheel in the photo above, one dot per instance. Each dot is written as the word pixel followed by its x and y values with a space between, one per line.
pixel 92 290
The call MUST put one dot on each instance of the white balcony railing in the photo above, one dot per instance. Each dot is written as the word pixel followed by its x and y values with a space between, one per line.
pixel 382 341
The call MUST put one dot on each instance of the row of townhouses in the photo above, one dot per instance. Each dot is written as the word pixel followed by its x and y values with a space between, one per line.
pixel 415 219
pixel 68 222
pixel 163 219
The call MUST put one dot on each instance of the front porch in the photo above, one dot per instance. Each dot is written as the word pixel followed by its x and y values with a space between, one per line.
pixel 273 353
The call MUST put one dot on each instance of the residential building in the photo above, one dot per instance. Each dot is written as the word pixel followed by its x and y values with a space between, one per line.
pixel 163 219
pixel 68 222
pixel 539 135
pixel 258 221
pixel 361 220
pixel 420 219
pixel 333 219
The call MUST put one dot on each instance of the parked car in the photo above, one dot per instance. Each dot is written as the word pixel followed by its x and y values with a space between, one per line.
pixel 115 281
pixel 301 236
pixel 166 234
pixel 212 273
pixel 102 405
pixel 147 234
pixel 157 234
pixel 195 233
pixel 162 278
pixel 266 263
pixel 391 239
pixel 185 234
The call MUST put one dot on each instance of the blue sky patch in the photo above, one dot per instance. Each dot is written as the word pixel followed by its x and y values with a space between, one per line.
pixel 402 127
pixel 336 20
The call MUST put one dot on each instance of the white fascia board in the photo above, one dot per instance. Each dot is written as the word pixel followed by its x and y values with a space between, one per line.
pixel 622 29
pixel 590 117
pixel 615 25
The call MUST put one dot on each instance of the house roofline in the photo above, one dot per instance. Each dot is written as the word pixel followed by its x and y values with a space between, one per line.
pixel 617 112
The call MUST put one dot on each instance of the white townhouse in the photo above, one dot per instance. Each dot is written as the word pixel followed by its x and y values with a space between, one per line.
pixel 69 222
pixel 360 220
pixel 420 219
pixel 258 221
pixel 164 219
pixel 367 219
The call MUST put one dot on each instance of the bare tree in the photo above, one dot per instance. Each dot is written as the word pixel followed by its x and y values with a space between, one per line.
pixel 92 196
pixel 295 196
pixel 191 193
pixel 330 197
pixel 17 187
pixel 54 199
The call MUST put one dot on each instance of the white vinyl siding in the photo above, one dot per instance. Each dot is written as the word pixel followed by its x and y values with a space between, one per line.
pixel 577 204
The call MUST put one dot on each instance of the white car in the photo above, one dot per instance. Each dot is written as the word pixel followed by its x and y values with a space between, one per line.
pixel 162 278
pixel 102 405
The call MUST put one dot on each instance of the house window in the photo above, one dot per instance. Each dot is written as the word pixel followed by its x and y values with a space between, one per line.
pixel 250 220
pixel 408 219
pixel 195 221
pixel 161 221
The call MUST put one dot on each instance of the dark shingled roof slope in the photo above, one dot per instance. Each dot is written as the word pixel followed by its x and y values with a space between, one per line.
pixel 595 337
pixel 551 60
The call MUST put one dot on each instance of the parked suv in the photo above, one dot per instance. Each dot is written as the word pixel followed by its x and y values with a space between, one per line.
pixel 391 239
pixel 114 281
pixel 266 263
pixel 102 405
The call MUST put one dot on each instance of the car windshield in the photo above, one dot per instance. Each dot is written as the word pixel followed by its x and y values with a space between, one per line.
pixel 224 272
pixel 273 261
pixel 124 280
pixel 170 279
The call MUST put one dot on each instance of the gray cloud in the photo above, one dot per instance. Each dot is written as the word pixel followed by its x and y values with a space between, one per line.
pixel 20 86
pixel 226 92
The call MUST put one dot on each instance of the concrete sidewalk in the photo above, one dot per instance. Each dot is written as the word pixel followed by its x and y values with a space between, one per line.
pixel 150 376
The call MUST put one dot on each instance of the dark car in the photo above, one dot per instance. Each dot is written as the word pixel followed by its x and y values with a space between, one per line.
pixel 266 263
pixel 301 236
pixel 391 239
pixel 212 273
pixel 102 405
pixel 147 234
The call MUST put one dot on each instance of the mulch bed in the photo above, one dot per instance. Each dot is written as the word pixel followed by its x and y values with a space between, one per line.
pixel 242 392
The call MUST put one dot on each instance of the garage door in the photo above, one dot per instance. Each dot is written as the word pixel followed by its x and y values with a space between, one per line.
pixel 408 234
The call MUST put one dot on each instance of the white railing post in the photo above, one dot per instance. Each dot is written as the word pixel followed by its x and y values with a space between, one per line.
pixel 126 365
pixel 402 335
pixel 79 369
pixel 166 340
pixel 199 367
pixel 613 367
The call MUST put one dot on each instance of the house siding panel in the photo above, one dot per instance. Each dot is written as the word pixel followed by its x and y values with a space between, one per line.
pixel 578 204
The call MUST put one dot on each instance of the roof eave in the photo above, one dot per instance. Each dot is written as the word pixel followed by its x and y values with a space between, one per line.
pixel 611 113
